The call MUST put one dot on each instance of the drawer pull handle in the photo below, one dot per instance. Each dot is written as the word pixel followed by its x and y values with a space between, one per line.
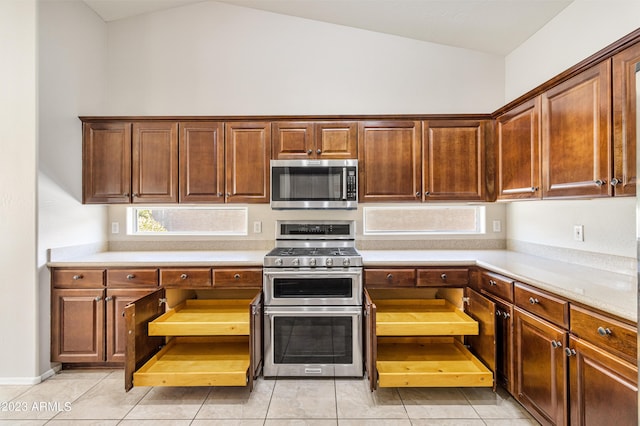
pixel 184 276
pixel 443 277
pixel 78 277
pixel 236 276
pixel 556 343
pixel 533 301
pixel 604 331
pixel 492 282
pixel 131 276
pixel 389 277
pixel 569 351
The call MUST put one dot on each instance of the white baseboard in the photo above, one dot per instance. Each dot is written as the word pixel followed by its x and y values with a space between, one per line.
pixel 30 380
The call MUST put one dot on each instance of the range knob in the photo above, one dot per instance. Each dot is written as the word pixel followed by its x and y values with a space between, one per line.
pixel 295 262
pixel 312 262
pixel 279 262
pixel 346 261
pixel 329 261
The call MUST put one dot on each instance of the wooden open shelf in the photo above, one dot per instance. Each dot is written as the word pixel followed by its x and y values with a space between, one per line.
pixel 198 362
pixel 444 362
pixel 426 317
pixel 195 317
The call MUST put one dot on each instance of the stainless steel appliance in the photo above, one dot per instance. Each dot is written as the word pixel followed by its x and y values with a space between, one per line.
pixel 313 301
pixel 314 184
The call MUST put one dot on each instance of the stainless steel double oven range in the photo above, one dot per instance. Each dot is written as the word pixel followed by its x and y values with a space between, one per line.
pixel 313 301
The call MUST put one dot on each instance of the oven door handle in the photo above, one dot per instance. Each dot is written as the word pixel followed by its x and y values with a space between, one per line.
pixel 313 310
pixel 313 273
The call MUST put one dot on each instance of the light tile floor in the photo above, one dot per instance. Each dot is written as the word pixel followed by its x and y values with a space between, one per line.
pixel 97 397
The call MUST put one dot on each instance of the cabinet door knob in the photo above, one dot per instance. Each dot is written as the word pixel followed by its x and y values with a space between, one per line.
pixel 228 194
pixel 108 298
pixel 556 343
pixel 184 276
pixel 309 151
pixel 77 277
pixel 492 282
pixel 604 331
pixel 236 276
pixel 443 277
pixel 98 298
pixel 126 194
pixel 614 181
pixel 418 194
pixel 389 277
pixel 534 188
pixel 135 194
pixel 506 315
pixel 600 182
pixel 130 276
pixel 533 301
pixel 220 194
pixel 569 351
pixel 319 151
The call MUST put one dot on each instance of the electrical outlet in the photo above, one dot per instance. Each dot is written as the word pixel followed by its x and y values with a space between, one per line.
pixel 115 227
pixel 497 226
pixel 578 232
pixel 257 227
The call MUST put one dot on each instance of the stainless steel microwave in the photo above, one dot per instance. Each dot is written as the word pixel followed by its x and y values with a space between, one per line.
pixel 314 184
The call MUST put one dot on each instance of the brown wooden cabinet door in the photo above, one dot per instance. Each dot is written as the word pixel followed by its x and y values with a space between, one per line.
pixel 389 161
pixel 155 162
pixel 576 135
pixel 201 162
pixel 77 325
pixel 248 148
pixel 116 337
pixel 293 140
pixel 106 162
pixel 518 140
pixel 626 66
pixel 453 160
pixel 336 140
pixel 255 342
pixel 504 346
pixel 484 344
pixel 370 341
pixel 603 388
pixel 541 368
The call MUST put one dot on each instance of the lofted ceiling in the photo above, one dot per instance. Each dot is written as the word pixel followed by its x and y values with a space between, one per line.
pixel 490 26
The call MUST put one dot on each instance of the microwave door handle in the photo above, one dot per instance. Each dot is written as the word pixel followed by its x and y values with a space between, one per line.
pixel 344 184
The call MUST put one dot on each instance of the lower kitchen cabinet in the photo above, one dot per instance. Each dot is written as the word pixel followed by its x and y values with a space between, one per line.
pixel 415 342
pixel 541 368
pixel 603 388
pixel 205 338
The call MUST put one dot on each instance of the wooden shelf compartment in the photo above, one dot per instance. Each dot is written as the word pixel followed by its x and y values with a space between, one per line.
pixel 192 361
pixel 212 317
pixel 426 317
pixel 435 362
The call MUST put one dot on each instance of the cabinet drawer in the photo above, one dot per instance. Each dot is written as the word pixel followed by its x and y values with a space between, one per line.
pixel 607 333
pixel 77 278
pixel 390 277
pixel 132 277
pixel 543 305
pixel 186 277
pixel 497 285
pixel 246 278
pixel 455 277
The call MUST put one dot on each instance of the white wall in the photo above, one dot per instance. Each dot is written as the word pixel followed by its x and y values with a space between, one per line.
pixel 18 281
pixel 217 59
pixel 72 42
pixel 580 30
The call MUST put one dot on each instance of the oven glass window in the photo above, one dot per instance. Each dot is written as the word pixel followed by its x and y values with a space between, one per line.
pixel 292 288
pixel 313 340
pixel 307 183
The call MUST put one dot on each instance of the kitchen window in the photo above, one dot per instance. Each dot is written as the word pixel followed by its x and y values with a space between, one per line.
pixel 424 220
pixel 223 221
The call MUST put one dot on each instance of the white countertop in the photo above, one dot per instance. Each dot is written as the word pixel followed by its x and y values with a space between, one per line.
pixel 611 292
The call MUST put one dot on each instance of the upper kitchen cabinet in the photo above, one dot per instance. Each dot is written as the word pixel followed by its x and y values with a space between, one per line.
pixel 154 162
pixel 453 164
pixel 576 135
pixel 626 77
pixel 106 162
pixel 126 162
pixel 202 176
pixel 518 146
pixel 247 153
pixel 314 140
pixel 389 160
